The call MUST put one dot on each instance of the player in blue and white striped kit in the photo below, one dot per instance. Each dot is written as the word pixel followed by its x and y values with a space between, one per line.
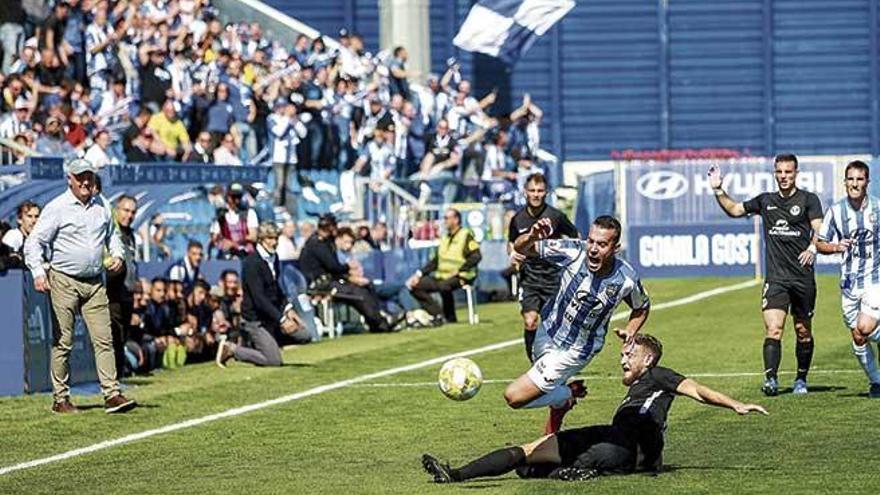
pixel 855 223
pixel 573 326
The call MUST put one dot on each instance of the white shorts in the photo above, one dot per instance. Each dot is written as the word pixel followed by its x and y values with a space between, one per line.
pixel 859 301
pixel 553 365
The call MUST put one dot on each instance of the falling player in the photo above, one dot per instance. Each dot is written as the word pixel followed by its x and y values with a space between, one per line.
pixel 791 217
pixel 855 222
pixel 584 453
pixel 538 278
pixel 593 282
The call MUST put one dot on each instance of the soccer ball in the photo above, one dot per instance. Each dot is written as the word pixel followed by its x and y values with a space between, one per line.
pixel 460 379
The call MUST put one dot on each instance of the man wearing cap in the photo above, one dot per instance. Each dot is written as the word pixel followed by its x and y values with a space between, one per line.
pixel 155 78
pixel 52 142
pixel 287 131
pixel 235 229
pixel 17 122
pixel 267 316
pixel 376 117
pixel 73 230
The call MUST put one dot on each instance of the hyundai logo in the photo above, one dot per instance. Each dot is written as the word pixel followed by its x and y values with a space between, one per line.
pixel 662 185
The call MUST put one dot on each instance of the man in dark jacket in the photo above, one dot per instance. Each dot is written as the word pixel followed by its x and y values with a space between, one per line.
pixel 121 285
pixel 266 314
pixel 325 273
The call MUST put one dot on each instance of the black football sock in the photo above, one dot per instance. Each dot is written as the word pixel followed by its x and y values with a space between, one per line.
pixel 772 356
pixel 529 336
pixel 804 353
pixel 492 464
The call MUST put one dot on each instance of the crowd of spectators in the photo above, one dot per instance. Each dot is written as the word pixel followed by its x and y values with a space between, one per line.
pixel 166 80
pixel 118 81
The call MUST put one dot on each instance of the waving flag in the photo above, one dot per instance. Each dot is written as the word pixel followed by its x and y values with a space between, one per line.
pixel 507 28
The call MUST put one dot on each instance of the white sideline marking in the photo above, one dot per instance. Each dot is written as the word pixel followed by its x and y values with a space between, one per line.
pixel 237 411
pixel 615 378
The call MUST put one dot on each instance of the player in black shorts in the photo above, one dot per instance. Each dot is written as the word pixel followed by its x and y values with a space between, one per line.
pixel 538 279
pixel 637 428
pixel 792 217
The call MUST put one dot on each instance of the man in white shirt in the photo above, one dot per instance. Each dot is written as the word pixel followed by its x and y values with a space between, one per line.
pixel 287 248
pixel 97 153
pixel 17 122
pixel 70 237
pixel 287 131
pixel 26 215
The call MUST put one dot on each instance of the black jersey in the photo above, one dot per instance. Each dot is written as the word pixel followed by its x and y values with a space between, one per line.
pixel 787 231
pixel 644 410
pixel 536 271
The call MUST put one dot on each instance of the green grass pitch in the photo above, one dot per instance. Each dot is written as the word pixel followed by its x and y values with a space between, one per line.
pixel 368 439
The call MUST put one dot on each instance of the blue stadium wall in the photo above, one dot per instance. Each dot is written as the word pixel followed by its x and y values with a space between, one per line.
pixel 762 76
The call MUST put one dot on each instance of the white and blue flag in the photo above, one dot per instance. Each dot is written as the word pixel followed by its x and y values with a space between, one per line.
pixel 507 28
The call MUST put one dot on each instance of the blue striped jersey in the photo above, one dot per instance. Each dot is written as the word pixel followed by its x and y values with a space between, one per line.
pixel 578 318
pixel 860 266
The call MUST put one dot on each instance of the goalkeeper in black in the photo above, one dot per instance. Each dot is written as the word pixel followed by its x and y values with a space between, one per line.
pixel 632 442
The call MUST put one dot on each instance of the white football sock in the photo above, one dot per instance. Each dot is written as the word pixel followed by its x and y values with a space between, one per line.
pixel 865 356
pixel 875 336
pixel 555 398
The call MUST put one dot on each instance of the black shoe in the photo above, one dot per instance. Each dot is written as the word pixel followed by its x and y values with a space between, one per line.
pixel 438 321
pixel 574 474
pixel 397 321
pixel 440 472
pixel 578 389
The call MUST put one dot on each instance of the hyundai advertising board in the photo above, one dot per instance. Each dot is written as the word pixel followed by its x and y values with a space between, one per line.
pixel 676 227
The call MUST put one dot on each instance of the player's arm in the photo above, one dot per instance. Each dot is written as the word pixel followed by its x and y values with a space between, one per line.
pixel 808 256
pixel 640 306
pixel 637 319
pixel 525 244
pixel 730 206
pixel 706 395
pixel 814 213
pixel 827 233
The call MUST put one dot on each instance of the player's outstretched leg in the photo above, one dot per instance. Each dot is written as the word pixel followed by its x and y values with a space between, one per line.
pixel 494 463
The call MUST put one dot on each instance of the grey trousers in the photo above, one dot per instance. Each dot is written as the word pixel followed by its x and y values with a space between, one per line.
pixel 265 350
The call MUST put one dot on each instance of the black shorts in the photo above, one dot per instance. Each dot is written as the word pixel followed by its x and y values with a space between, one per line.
pixel 533 297
pixel 792 296
pixel 606 448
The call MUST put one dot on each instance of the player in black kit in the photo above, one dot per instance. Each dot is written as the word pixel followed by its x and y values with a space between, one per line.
pixel 585 453
pixel 539 279
pixel 791 219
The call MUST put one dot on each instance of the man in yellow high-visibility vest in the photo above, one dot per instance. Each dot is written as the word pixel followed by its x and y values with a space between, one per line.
pixel 454 266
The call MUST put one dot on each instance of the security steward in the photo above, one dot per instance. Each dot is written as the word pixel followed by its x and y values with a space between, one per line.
pixel 454 266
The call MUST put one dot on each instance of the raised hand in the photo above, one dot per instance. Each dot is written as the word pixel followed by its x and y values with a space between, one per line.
pixel 542 229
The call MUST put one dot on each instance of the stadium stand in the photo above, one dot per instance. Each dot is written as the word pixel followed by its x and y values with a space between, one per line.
pixel 175 105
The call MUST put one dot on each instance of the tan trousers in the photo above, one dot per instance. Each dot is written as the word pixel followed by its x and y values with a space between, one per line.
pixel 71 295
